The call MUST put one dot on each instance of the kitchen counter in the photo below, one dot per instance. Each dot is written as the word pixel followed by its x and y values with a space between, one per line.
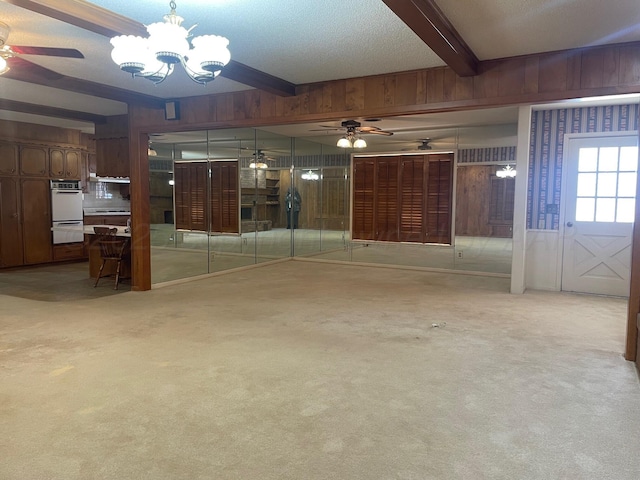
pixel 88 230
pixel 106 211
pixel 95 259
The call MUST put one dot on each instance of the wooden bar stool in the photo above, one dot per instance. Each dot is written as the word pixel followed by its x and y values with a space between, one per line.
pixel 112 249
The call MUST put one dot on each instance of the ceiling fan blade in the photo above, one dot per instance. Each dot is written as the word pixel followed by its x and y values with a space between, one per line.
pixel 24 70
pixel 377 132
pixel 326 128
pixel 48 51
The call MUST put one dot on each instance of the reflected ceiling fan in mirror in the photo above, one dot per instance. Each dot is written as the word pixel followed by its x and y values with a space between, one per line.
pixel 261 160
pixel 13 52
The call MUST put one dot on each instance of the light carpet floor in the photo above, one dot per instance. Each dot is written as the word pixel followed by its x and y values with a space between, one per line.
pixel 305 370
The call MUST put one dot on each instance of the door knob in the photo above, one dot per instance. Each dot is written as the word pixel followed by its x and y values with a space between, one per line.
pixel 569 224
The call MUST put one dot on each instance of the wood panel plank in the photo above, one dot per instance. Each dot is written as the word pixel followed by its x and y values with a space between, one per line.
pixel 531 77
pixel 553 73
pixel 435 85
pixel 592 69
pixel 511 77
pixel 374 92
pixel 629 64
pixel 406 88
pixel 354 98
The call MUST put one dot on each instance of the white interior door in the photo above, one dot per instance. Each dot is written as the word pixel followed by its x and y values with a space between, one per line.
pixel 599 213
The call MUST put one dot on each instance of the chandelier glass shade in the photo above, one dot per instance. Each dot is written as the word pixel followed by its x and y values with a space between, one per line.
pixel 3 65
pixel 168 44
pixel 351 140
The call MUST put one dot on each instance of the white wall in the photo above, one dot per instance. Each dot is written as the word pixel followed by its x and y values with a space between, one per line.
pixel 543 260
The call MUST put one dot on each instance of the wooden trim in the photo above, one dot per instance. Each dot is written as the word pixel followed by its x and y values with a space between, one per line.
pixel 84 15
pixel 633 309
pixel 255 78
pixel 22 107
pixel 426 19
pixel 140 212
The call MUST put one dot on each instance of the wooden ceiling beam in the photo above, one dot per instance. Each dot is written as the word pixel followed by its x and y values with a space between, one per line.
pixel 25 71
pixel 426 19
pixel 22 107
pixel 109 24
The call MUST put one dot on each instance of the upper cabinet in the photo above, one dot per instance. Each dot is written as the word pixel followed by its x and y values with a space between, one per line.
pixel 34 161
pixel 112 157
pixel 8 159
pixel 42 161
pixel 65 164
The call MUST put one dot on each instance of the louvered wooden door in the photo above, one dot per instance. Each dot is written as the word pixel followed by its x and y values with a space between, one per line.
pixel 412 198
pixel 224 197
pixel 386 199
pixel 190 184
pixel 439 195
pixel 363 199
pixel 404 198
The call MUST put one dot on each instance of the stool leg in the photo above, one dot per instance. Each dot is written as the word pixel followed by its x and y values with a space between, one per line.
pixel 117 275
pixel 99 273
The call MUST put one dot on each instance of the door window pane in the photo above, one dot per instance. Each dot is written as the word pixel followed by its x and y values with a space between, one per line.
pixel 584 209
pixel 586 184
pixel 588 160
pixel 628 159
pixel 626 210
pixel 607 184
pixel 606 210
pixel 608 159
pixel 627 185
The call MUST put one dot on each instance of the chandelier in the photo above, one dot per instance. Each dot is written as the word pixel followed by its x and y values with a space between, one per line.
pixel 155 57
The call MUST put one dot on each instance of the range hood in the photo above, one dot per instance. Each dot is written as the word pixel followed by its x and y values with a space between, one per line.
pixel 94 178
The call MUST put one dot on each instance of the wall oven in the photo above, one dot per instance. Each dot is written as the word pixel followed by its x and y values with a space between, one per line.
pixel 66 211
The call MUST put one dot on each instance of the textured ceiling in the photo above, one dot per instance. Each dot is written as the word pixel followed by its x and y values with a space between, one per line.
pixel 305 41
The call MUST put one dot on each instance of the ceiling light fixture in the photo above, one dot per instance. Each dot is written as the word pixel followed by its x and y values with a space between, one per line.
pixel 506 172
pixel 351 140
pixel 3 64
pixel 310 175
pixel 259 164
pixel 154 58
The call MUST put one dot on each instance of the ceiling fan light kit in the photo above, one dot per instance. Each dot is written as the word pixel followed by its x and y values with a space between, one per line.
pixel 154 57
pixel 506 172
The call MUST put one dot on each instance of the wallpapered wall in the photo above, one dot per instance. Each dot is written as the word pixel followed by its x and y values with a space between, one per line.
pixel 548 128
pixel 494 154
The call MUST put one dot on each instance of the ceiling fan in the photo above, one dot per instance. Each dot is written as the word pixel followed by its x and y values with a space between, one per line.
pixel 260 160
pixel 354 127
pixel 14 51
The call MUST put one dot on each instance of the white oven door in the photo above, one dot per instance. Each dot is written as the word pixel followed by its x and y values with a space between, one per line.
pixel 68 232
pixel 66 205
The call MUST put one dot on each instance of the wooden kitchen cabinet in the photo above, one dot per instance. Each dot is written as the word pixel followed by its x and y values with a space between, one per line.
pixel 34 161
pixel 69 251
pixel 8 159
pixel 112 157
pixel 11 245
pixel 35 199
pixel 65 164
pixel 106 219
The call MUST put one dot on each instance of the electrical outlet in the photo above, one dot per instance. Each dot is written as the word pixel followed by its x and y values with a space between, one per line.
pixel 460 254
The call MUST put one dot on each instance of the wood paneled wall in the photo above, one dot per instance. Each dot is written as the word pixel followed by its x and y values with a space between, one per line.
pixel 528 79
pixel 28 132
